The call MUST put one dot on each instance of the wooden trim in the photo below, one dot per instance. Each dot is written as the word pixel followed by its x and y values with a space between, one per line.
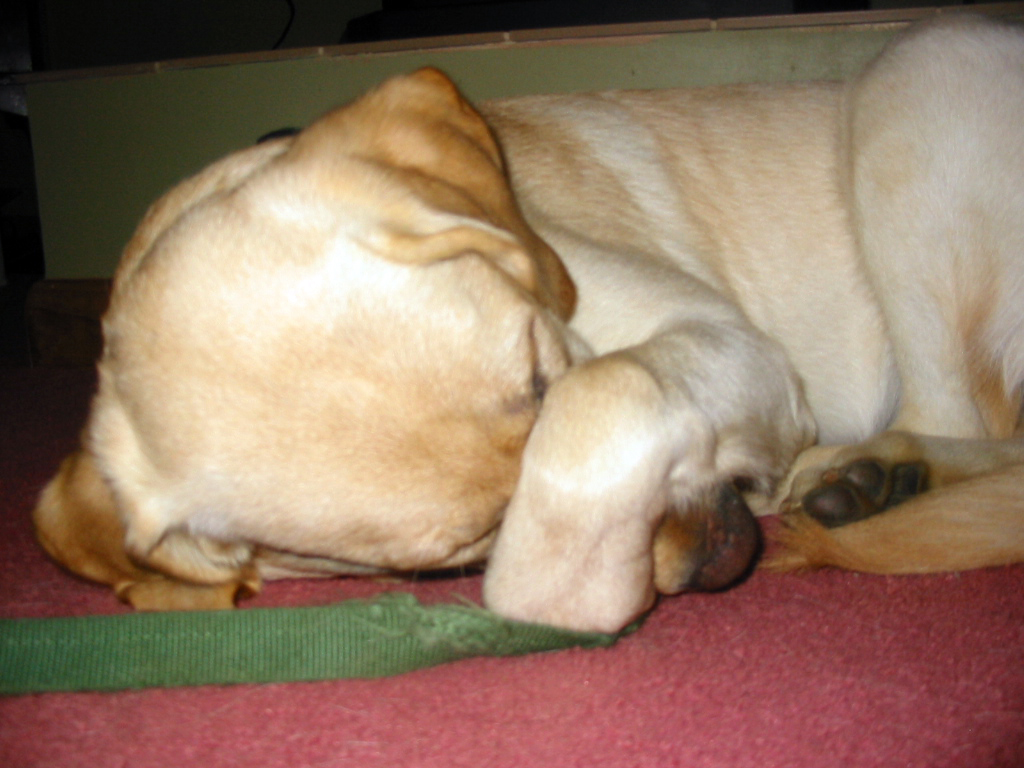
pixel 596 34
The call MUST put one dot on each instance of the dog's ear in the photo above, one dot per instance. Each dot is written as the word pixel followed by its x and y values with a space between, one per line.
pixel 434 91
pixel 77 523
pixel 420 132
pixel 416 123
pixel 498 247
pixel 489 188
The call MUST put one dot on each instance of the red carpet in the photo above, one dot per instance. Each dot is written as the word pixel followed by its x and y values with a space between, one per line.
pixel 810 671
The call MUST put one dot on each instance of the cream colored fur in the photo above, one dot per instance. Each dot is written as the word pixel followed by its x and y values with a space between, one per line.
pixel 357 351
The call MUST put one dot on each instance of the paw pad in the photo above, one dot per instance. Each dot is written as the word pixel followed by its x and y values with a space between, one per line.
pixel 861 489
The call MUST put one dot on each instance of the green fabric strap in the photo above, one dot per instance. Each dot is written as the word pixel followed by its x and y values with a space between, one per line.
pixel 386 636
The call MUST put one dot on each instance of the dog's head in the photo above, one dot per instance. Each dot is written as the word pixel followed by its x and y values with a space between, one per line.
pixel 337 344
pixel 356 321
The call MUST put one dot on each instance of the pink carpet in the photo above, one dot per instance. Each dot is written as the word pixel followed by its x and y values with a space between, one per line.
pixel 807 671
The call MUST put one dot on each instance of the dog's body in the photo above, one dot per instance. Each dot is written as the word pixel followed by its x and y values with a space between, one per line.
pixel 356 351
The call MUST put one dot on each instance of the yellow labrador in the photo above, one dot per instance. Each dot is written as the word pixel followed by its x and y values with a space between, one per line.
pixel 575 336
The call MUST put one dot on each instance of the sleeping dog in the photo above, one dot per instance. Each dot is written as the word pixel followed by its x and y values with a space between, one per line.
pixel 578 337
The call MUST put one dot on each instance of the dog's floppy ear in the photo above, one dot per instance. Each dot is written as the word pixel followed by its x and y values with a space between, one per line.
pixel 419 131
pixel 497 246
pixel 437 89
pixel 544 275
pixel 76 521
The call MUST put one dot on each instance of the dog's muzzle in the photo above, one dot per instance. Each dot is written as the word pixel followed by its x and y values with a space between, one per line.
pixel 708 548
pixel 732 540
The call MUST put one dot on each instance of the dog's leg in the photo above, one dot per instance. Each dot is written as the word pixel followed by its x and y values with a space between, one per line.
pixel 904 503
pixel 625 437
pixel 838 485
pixel 973 524
pixel 936 164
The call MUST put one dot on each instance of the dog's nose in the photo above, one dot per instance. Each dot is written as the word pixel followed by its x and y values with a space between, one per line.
pixel 706 547
pixel 730 543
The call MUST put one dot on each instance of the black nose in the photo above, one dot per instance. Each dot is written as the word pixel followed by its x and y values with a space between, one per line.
pixel 730 545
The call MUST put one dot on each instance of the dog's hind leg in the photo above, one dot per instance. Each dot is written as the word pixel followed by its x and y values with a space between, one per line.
pixel 973 524
pixel 904 503
pixel 936 173
pixel 935 164
pixel 838 485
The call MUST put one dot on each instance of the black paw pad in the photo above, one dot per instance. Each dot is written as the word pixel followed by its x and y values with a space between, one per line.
pixel 868 476
pixel 838 503
pixel 863 488
pixel 908 480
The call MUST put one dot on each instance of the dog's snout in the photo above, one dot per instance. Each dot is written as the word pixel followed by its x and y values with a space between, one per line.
pixel 706 548
pixel 732 539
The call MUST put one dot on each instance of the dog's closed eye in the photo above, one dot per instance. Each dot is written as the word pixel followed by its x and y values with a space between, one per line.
pixel 547 362
pixel 531 397
pixel 539 383
pixel 549 354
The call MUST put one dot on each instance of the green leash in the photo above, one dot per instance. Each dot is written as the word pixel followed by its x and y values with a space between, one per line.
pixel 390 635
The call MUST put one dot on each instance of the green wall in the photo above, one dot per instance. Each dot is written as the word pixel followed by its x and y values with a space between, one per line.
pixel 106 146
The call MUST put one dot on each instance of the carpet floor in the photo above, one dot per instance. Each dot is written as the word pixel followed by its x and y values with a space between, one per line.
pixel 794 671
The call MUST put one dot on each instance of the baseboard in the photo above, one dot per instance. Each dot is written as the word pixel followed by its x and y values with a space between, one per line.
pixel 64 321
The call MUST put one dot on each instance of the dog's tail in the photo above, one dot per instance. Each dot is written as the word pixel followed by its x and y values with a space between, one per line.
pixel 976 523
